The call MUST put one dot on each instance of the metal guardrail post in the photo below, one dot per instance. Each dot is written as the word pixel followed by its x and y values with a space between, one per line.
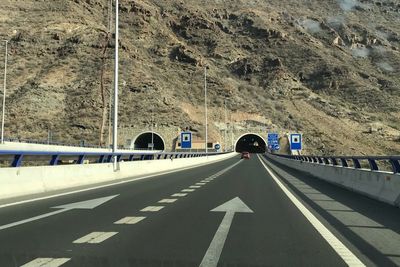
pixel 80 160
pixel 373 165
pixel 395 165
pixel 54 160
pixel 356 163
pixel 17 162
pixel 334 161
pixel 344 162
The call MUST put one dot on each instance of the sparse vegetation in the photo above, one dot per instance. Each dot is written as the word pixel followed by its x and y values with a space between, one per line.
pixel 326 74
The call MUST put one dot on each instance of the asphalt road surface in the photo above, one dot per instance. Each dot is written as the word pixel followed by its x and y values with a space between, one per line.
pixel 231 213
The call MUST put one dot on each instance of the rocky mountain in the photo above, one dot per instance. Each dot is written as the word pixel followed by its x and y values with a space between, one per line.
pixel 329 69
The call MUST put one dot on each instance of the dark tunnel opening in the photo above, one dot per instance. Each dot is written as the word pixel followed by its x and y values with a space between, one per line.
pixel 143 141
pixel 251 143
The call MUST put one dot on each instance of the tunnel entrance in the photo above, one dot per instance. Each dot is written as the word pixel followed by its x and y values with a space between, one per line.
pixel 143 141
pixel 252 143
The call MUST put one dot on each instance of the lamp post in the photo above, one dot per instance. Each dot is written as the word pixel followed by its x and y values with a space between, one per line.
pixel 115 115
pixel 205 105
pixel 4 93
pixel 226 126
pixel 152 130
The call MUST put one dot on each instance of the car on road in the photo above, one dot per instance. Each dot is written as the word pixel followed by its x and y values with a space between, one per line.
pixel 245 155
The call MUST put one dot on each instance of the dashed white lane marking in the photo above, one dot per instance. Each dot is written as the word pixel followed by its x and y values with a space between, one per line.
pixel 130 220
pixel 201 183
pixel 179 195
pixel 205 181
pixel 95 237
pixel 152 208
pixel 187 190
pixel 46 262
pixel 194 186
pixel 345 253
pixel 168 200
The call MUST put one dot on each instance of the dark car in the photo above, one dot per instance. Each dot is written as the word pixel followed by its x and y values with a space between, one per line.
pixel 245 155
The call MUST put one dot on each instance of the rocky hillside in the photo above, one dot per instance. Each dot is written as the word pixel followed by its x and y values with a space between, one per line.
pixel 329 69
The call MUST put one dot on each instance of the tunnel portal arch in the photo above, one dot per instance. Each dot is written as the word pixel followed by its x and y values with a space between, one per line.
pixel 142 141
pixel 250 142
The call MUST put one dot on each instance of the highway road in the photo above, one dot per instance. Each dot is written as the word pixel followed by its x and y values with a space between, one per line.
pixel 231 213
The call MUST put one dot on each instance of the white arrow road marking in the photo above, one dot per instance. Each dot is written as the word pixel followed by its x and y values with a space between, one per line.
pixel 86 205
pixel 46 262
pixel 333 241
pixel 95 237
pixel 213 253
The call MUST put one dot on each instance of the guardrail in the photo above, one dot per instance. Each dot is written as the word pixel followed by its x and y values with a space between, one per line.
pixel 16 158
pixel 373 163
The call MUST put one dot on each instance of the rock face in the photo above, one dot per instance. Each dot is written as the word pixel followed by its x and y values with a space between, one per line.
pixel 322 68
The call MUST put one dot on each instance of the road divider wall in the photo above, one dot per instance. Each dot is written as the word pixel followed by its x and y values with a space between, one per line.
pixel 382 186
pixel 23 181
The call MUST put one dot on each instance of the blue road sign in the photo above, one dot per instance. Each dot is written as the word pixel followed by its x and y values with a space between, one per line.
pixel 217 146
pixel 273 141
pixel 276 147
pixel 186 140
pixel 295 142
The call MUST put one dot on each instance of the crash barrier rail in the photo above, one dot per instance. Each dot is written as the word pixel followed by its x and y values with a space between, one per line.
pixel 16 158
pixel 373 163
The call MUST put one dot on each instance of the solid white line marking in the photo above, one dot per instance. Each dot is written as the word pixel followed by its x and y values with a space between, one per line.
pixel 130 220
pixel 194 186
pixel 179 195
pixel 187 190
pixel 106 185
pixel 95 237
pixel 46 262
pixel 333 241
pixel 168 200
pixel 152 208
pixel 214 251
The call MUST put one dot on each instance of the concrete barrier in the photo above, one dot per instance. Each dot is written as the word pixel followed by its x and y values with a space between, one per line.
pixel 13 146
pixel 22 181
pixel 382 186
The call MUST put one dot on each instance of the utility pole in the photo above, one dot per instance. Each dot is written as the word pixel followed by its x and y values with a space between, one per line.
pixel 4 93
pixel 205 105
pixel 115 119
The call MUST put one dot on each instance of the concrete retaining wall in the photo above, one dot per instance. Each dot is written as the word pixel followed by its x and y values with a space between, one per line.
pixel 378 185
pixel 24 181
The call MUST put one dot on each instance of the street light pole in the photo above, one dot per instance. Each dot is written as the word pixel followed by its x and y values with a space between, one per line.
pixel 115 119
pixel 152 130
pixel 4 93
pixel 205 105
pixel 226 126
